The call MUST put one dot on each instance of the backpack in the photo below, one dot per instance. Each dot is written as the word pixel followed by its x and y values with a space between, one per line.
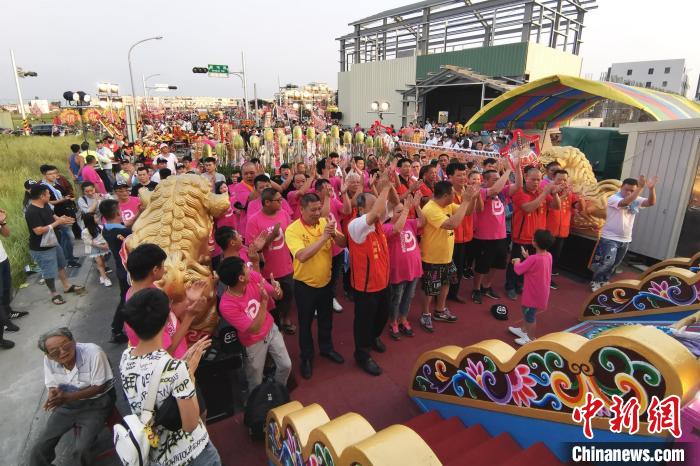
pixel 263 398
pixel 134 437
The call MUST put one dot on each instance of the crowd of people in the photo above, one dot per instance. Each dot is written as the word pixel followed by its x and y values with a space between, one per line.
pixel 373 228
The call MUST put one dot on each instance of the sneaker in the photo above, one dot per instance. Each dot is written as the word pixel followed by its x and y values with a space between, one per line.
pixel 512 294
pixel 394 331
pixel 336 306
pixel 406 329
pixel 426 322
pixel 107 282
pixel 74 264
pixel 42 281
pixel 553 285
pixel 476 297
pixel 522 341
pixel 518 332
pixel 10 327
pixel 18 314
pixel 6 344
pixel 445 316
pixel 490 293
pixel 108 269
pixel 595 286
pixel 555 273
pixel 468 274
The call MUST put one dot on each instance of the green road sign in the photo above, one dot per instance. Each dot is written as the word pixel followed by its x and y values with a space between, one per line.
pixel 221 69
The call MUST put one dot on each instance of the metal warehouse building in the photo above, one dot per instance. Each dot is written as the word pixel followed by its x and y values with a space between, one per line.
pixel 453 56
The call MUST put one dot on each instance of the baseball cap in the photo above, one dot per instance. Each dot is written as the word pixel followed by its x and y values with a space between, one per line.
pixel 29 183
pixel 161 160
pixel 163 145
pixel 499 311
pixel 121 184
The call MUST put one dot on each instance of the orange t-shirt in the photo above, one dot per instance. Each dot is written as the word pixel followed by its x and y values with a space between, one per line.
pixel 525 224
pixel 465 231
pixel 559 221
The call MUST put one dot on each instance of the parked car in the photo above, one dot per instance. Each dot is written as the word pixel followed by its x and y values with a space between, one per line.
pixel 48 130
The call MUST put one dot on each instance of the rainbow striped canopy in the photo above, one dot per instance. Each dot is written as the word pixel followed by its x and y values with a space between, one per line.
pixel 547 102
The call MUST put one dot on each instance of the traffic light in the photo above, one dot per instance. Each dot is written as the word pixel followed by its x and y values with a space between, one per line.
pixel 199 69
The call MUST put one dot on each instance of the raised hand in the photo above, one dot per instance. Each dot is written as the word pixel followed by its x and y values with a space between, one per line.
pixel 276 286
pixel 259 243
pixel 642 181
pixel 263 293
pixel 195 290
pixel 651 184
pixel 194 354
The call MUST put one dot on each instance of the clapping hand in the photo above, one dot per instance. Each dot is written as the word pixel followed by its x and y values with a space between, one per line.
pixel 524 252
pixel 329 231
pixel 194 354
pixel 277 288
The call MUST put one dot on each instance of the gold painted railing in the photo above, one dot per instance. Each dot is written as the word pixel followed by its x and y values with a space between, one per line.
pixel 298 435
pixel 689 263
pixel 667 290
pixel 549 377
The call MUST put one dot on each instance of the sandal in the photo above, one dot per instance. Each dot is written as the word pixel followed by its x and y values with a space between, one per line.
pixel 75 289
pixel 289 329
pixel 58 300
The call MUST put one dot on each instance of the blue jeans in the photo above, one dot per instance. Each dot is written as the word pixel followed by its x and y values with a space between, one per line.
pixel 401 297
pixel 66 242
pixel 208 457
pixel 607 257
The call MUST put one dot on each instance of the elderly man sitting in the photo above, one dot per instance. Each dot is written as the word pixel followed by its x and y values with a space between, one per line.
pixel 81 395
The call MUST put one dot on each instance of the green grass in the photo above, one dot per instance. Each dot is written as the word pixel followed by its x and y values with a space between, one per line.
pixel 20 159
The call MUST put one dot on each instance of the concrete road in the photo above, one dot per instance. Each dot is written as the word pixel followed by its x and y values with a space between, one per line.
pixel 22 391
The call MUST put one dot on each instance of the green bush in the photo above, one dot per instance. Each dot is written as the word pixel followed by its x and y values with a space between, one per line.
pixel 20 159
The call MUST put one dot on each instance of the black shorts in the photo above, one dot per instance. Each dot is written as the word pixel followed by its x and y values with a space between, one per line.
pixel 490 253
pixel 435 276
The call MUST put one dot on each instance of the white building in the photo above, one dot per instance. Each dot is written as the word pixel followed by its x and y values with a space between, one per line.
pixel 664 75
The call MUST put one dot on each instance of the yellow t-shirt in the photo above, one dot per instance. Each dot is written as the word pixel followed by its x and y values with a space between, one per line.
pixel 315 272
pixel 437 244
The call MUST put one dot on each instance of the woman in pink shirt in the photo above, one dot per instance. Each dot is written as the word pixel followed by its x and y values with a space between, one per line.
pixel 88 173
pixel 404 263
pixel 537 271
pixel 245 305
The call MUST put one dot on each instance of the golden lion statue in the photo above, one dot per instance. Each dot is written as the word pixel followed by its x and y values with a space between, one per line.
pixel 177 216
pixel 585 185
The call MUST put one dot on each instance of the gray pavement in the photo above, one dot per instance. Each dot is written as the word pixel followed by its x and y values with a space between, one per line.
pixel 22 391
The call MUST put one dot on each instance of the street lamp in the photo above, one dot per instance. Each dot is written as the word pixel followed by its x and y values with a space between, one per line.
pixel 380 108
pixel 80 100
pixel 20 73
pixel 131 73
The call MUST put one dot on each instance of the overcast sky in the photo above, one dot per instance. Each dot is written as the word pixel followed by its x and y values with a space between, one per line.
pixel 75 44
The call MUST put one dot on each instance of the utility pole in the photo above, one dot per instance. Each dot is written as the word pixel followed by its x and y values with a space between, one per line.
pixel 245 87
pixel 19 92
pixel 255 96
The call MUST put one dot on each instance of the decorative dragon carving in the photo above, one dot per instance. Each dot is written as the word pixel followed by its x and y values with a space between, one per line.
pixel 178 218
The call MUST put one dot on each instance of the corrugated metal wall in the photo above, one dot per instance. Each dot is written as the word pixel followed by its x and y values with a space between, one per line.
pixel 498 60
pixel 672 155
pixel 367 82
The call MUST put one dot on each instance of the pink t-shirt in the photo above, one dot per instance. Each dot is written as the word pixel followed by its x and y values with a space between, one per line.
pixel 490 223
pixel 278 259
pixel 537 271
pixel 255 206
pixel 336 213
pixel 294 201
pixel 89 174
pixel 168 331
pixel 240 193
pixel 130 208
pixel 404 253
pixel 240 311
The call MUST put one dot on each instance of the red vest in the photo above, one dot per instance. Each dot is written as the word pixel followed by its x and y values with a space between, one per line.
pixel 369 262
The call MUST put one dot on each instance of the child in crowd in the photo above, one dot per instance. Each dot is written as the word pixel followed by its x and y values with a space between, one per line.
pixel 537 272
pixel 95 246
pixel 405 268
